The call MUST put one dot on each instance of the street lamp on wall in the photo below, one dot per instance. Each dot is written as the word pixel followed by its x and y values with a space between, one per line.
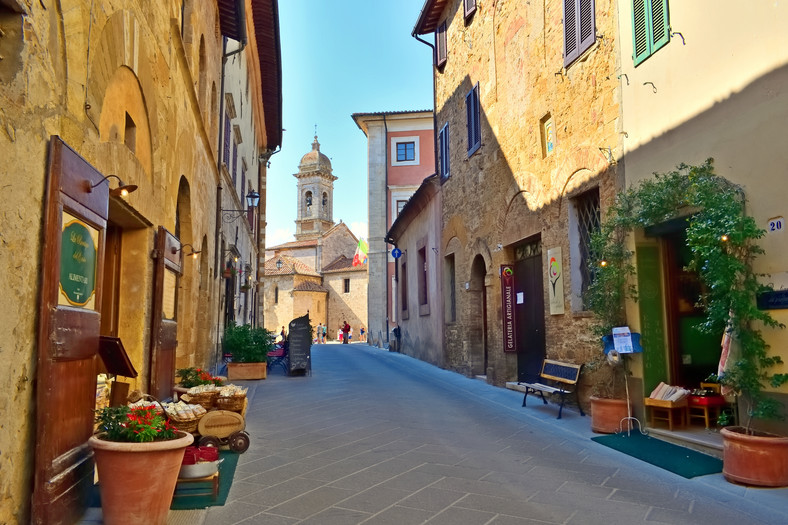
pixel 192 252
pixel 122 190
pixel 279 264
pixel 252 200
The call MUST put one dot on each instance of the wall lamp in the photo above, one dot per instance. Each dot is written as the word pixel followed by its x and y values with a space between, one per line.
pixel 279 264
pixel 252 200
pixel 192 253
pixel 122 190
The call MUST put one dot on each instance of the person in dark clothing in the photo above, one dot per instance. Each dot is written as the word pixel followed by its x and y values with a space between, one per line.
pixel 345 332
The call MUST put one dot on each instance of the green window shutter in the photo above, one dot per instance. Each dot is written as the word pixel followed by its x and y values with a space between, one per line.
pixel 640 31
pixel 660 25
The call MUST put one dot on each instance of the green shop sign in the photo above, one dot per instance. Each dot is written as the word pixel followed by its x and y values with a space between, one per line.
pixel 77 263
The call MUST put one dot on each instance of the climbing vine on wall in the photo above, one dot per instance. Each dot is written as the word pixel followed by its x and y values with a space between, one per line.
pixel 722 239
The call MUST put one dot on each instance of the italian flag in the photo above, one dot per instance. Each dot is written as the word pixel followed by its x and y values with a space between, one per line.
pixel 361 253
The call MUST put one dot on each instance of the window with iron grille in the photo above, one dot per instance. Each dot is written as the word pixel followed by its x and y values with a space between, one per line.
pixel 441 54
pixel 579 28
pixel 347 285
pixel 473 113
pixel 586 208
pixel 650 28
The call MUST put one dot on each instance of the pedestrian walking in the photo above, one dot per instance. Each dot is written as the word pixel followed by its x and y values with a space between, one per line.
pixel 325 330
pixel 345 333
pixel 361 334
pixel 319 332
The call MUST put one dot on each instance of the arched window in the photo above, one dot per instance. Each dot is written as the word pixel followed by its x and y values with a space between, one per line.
pixel 325 199
pixel 308 199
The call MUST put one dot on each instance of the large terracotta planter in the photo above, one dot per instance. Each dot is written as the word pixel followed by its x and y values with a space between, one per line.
pixel 137 480
pixel 606 415
pixel 246 371
pixel 760 460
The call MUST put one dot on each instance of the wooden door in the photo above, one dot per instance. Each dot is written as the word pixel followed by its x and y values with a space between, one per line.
pixel 168 257
pixel 75 219
pixel 529 313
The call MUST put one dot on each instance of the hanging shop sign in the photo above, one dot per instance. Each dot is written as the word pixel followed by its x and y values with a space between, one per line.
pixel 78 256
pixel 507 308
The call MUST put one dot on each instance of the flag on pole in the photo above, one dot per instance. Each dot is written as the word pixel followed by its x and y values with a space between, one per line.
pixel 361 253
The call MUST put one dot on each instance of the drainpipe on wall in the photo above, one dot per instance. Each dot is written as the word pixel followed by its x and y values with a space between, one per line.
pixel 388 213
pixel 434 103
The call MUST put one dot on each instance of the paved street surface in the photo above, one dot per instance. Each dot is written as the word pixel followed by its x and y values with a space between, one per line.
pixel 376 437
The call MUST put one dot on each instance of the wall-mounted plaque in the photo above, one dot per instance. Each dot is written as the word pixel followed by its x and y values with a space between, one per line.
pixel 78 256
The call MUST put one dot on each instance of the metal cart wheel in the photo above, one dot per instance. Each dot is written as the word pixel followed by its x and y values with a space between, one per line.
pixel 239 442
pixel 209 441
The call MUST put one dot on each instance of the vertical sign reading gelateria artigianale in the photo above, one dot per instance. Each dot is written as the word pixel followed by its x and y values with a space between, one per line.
pixel 78 254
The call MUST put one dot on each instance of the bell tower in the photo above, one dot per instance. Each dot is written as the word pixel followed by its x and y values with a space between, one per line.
pixel 315 194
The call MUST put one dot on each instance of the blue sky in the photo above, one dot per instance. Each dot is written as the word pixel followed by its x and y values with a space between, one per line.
pixel 339 58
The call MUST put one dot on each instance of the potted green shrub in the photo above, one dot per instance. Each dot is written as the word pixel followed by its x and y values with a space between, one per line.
pixel 138 455
pixel 249 347
pixel 722 240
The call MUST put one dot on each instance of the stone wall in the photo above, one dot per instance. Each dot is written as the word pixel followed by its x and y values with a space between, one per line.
pixel 509 190
pixel 119 83
pixel 350 307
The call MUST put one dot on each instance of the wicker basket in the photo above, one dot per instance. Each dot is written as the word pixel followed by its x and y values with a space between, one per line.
pixel 186 425
pixel 232 403
pixel 206 399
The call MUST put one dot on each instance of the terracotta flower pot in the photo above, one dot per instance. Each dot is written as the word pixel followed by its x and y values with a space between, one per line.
pixel 137 480
pixel 760 460
pixel 606 415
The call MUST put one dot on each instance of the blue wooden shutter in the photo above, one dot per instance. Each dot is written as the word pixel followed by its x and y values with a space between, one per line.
pixel 443 142
pixel 226 158
pixel 472 111
pixel 441 53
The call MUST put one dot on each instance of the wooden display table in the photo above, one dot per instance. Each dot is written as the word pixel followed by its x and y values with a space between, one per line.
pixel 705 407
pixel 663 410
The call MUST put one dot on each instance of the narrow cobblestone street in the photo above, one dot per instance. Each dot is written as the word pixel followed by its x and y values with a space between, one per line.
pixel 379 438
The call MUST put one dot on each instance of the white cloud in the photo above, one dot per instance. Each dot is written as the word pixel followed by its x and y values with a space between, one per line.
pixel 278 236
pixel 360 229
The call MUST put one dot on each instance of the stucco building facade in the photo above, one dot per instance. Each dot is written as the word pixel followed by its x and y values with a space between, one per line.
pixel 400 155
pixel 95 95
pixel 698 87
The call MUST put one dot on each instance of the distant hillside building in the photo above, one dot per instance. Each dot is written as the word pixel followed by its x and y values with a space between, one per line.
pixel 314 273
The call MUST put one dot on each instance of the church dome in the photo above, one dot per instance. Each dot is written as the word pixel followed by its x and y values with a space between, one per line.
pixel 314 160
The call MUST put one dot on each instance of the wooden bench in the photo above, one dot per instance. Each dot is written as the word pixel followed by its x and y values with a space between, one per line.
pixel 560 378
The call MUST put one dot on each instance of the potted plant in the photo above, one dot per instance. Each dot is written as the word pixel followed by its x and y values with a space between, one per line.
pixel 722 240
pixel 249 347
pixel 138 456
pixel 189 377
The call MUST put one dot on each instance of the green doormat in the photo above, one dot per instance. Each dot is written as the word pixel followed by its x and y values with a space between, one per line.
pixel 198 494
pixel 679 460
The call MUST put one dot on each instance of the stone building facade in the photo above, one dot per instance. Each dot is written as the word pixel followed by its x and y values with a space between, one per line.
pixel 527 125
pixel 400 155
pixel 92 94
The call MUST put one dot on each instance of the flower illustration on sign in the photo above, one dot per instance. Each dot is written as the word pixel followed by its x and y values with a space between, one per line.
pixel 555 271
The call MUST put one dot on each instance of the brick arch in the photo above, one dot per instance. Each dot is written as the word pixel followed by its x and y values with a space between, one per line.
pixel 479 248
pixel 527 191
pixel 124 42
pixel 123 104
pixel 582 165
pixel 455 228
